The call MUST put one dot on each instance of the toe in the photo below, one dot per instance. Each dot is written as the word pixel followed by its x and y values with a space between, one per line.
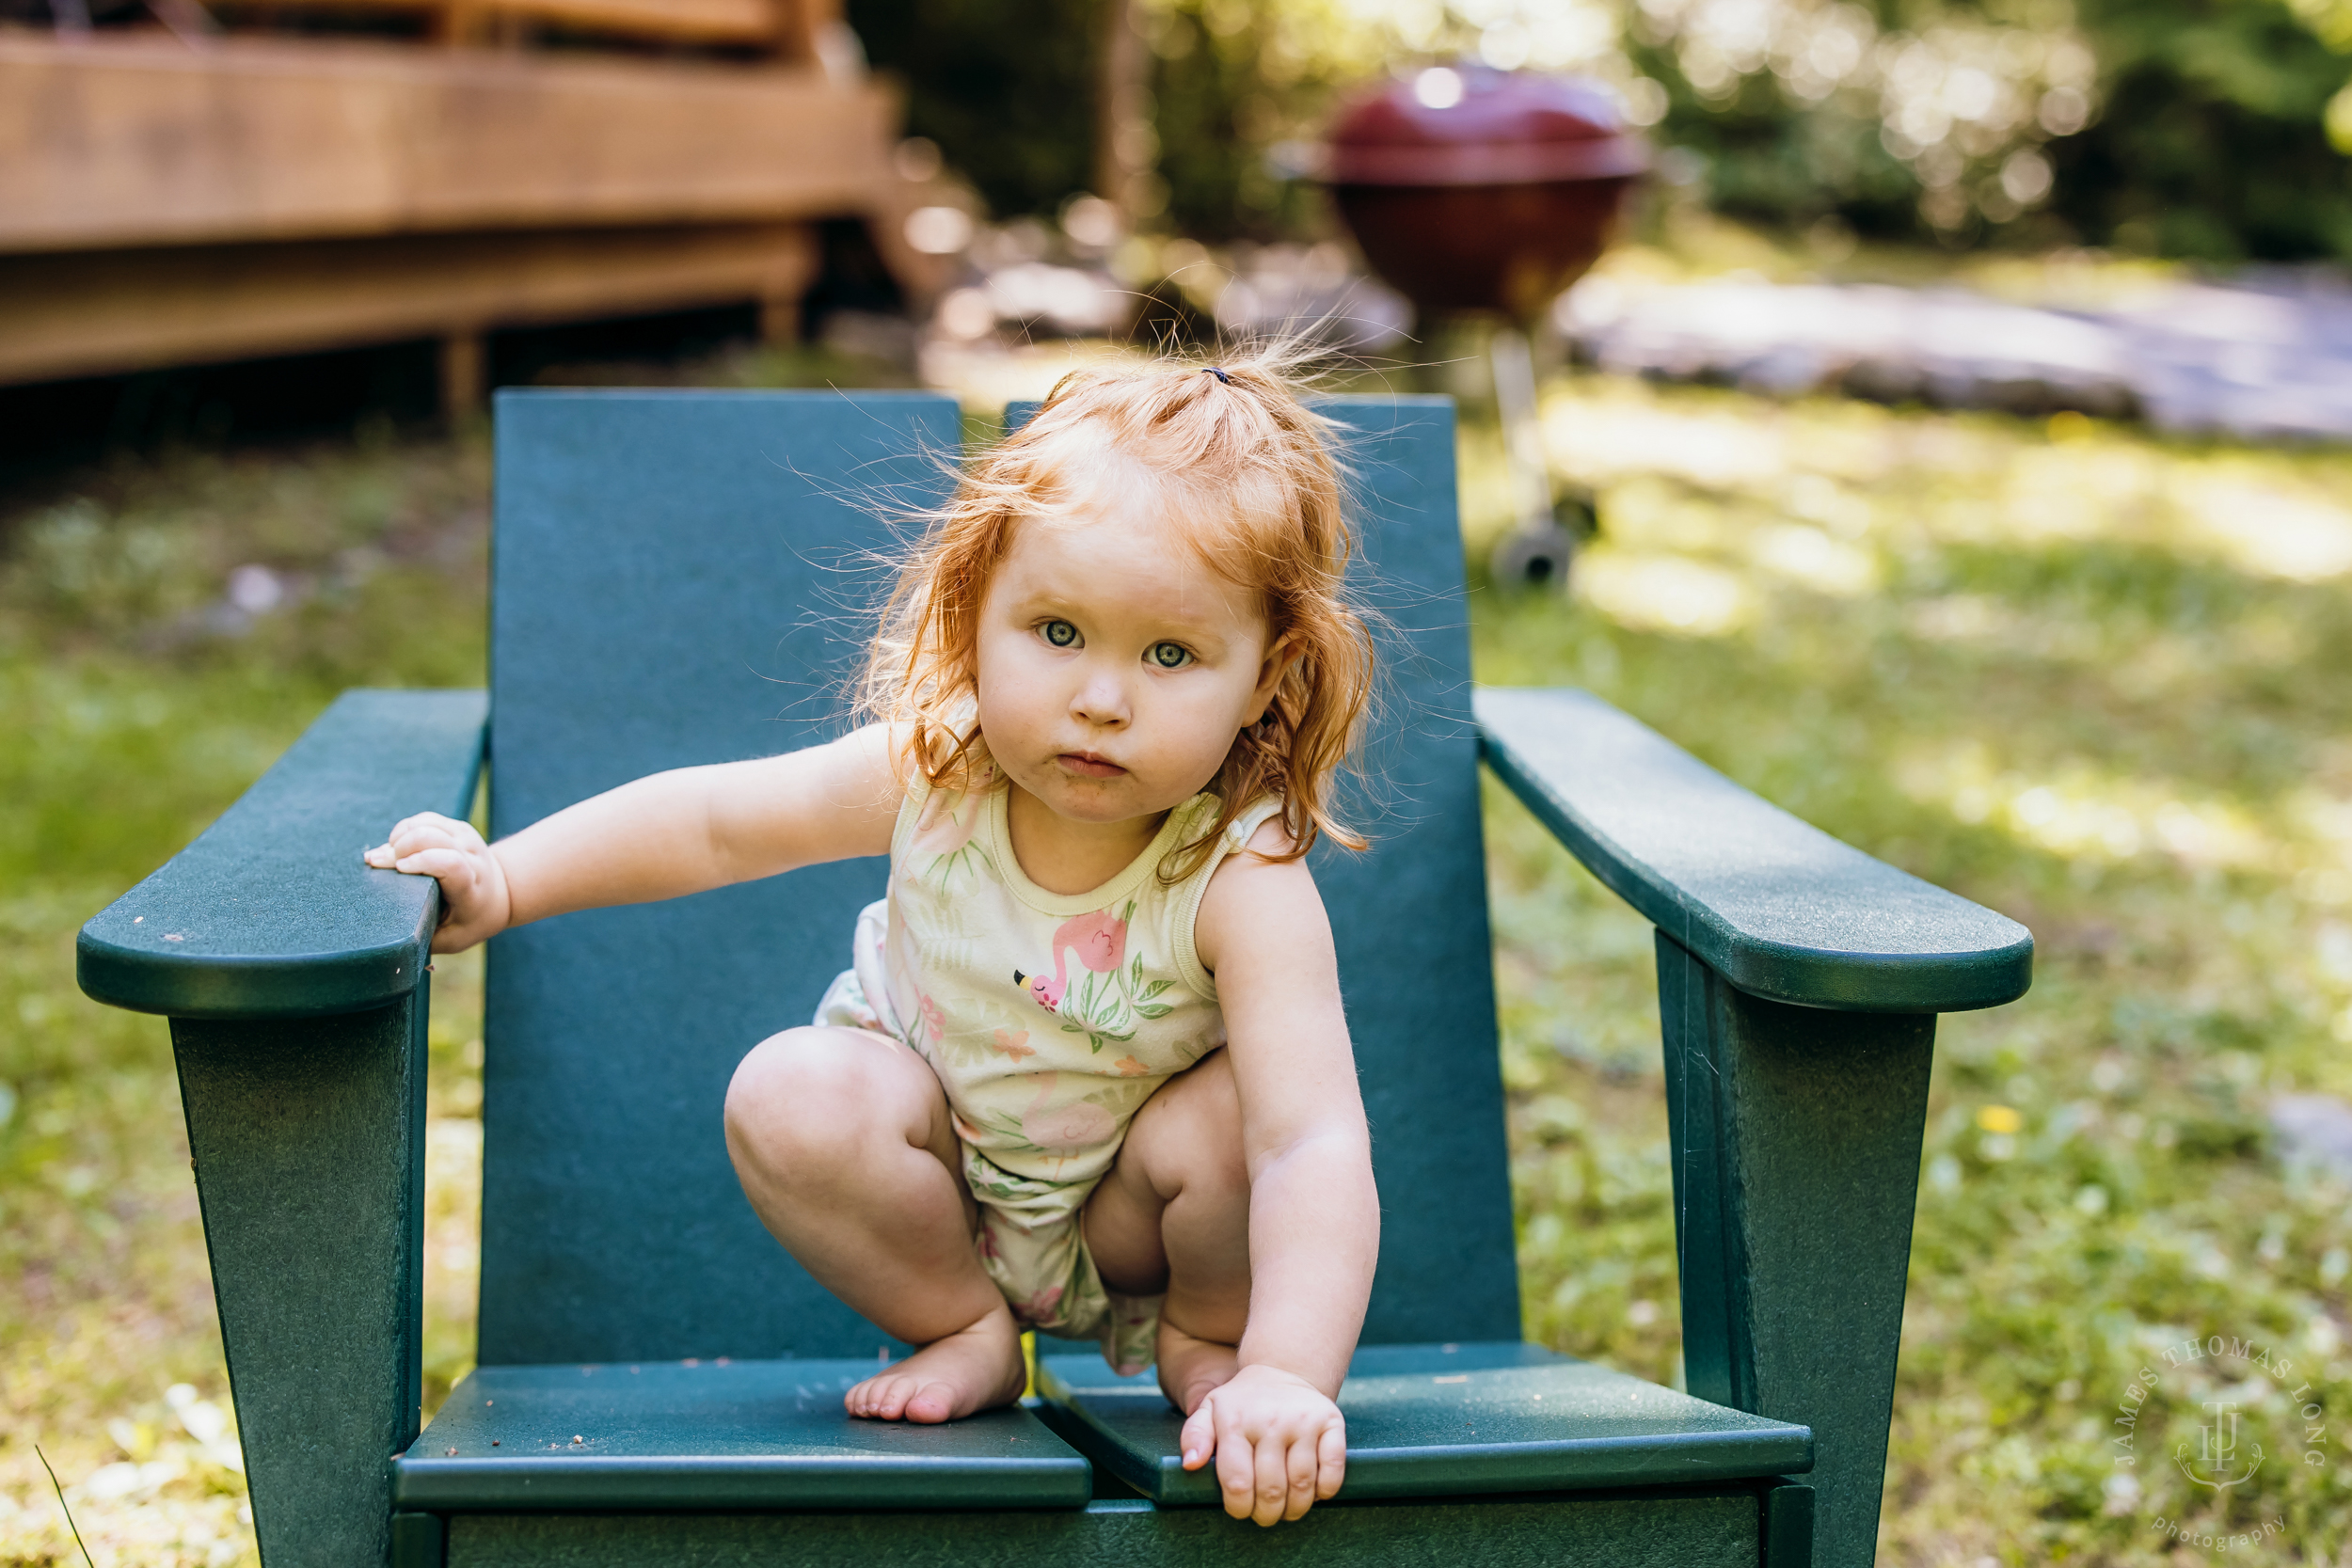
pixel 891 1401
pixel 930 1404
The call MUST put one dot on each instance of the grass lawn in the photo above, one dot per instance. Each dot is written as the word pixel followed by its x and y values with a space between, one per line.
pixel 2093 678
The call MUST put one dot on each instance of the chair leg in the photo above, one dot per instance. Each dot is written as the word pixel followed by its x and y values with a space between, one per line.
pixel 421 1540
pixel 1796 1137
pixel 308 1136
pixel 1788 1521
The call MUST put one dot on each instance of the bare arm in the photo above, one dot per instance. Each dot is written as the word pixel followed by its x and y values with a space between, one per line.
pixel 658 837
pixel 1314 1215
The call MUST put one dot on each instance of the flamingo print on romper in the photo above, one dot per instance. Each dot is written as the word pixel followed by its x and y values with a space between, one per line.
pixel 1059 1131
pixel 1107 998
pixel 1068 1128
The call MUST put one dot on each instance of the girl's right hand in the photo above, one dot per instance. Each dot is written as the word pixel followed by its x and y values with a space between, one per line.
pixel 476 905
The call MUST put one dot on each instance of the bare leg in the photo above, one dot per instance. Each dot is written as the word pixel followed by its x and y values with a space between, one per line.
pixel 1174 1213
pixel 843 1144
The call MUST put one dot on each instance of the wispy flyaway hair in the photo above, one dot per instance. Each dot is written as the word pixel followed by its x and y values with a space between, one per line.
pixel 1231 460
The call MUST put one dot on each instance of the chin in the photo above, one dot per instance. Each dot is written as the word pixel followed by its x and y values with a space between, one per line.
pixel 1092 806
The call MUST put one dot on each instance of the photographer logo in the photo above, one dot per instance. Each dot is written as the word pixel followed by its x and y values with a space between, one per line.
pixel 2216 1450
pixel 2258 1414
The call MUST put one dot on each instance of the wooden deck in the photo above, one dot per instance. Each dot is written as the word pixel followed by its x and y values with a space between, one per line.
pixel 162 203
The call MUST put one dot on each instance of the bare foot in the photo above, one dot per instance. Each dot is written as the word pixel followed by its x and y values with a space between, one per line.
pixel 1191 1370
pixel 973 1369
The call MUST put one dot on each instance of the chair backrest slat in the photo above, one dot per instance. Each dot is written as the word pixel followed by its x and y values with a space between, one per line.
pixel 684 578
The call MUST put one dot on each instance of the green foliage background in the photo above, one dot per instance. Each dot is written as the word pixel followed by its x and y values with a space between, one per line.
pixel 2212 143
pixel 1005 86
pixel 2202 129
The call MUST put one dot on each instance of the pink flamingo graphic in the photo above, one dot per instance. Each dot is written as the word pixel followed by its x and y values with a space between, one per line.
pixel 1069 1129
pixel 1099 939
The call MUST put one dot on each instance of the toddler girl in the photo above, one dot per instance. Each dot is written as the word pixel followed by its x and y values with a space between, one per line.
pixel 1087 1071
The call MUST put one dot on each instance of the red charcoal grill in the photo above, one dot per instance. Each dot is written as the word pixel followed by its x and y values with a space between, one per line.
pixel 1487 193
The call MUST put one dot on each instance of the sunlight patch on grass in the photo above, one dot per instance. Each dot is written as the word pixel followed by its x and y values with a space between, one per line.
pixel 1662 593
pixel 1811 558
pixel 2273 531
pixel 2088 812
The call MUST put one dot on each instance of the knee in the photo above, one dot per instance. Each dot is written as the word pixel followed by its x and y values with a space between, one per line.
pixel 1189 1133
pixel 800 1104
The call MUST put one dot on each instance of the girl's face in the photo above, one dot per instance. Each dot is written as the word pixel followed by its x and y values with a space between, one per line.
pixel 1114 669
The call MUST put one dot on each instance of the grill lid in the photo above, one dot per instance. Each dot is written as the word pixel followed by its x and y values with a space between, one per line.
pixel 1472 125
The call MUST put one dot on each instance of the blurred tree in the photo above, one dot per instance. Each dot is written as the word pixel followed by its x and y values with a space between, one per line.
pixel 1006 87
pixel 2212 141
pixel 2193 128
pixel 1240 89
pixel 1012 91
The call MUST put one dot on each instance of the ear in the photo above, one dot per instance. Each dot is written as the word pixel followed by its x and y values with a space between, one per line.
pixel 1285 651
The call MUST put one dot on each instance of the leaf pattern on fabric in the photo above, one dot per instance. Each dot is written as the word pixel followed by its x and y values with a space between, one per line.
pixel 1110 994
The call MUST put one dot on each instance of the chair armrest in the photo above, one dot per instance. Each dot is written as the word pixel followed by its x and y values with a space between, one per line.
pixel 270 913
pixel 1778 908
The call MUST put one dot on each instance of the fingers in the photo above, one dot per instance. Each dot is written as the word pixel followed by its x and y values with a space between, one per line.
pixel 444 865
pixel 1280 1446
pixel 426 831
pixel 1330 1460
pixel 1198 1439
pixel 1272 1495
pixel 1300 1470
pixel 1236 1471
pixel 474 898
pixel 1267 1481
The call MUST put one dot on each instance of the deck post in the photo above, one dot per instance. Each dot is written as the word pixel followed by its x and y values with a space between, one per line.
pixel 792 266
pixel 1796 1136
pixel 465 373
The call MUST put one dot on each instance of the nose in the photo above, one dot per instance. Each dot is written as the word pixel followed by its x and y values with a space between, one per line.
pixel 1100 699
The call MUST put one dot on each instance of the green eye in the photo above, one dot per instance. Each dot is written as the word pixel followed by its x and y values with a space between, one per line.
pixel 1061 634
pixel 1170 655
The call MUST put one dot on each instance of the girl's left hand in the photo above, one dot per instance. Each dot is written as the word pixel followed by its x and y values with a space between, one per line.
pixel 1280 1443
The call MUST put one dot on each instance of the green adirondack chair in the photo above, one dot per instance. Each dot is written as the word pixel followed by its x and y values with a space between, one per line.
pixel 678 579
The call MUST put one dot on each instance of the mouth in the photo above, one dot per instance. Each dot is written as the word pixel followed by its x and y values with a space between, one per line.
pixel 1086 764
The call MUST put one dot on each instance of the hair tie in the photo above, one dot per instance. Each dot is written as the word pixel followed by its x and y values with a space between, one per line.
pixel 1222 379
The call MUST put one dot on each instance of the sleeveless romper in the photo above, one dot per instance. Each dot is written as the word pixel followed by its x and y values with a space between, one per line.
pixel 1049 1019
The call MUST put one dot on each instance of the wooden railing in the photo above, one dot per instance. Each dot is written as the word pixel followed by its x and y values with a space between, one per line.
pixel 790 29
pixel 164 203
pixel 136 141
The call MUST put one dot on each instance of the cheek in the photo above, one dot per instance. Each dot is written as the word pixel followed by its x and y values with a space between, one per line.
pixel 1210 718
pixel 1012 682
